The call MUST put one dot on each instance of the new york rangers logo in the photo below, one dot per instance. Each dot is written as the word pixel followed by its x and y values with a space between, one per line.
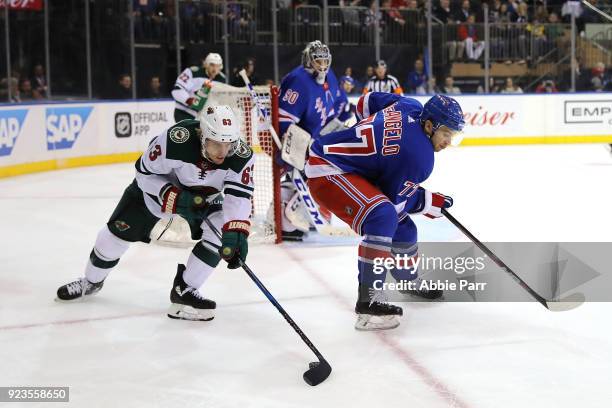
pixel 320 108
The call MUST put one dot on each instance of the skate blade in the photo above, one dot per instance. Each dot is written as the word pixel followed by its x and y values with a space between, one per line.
pixel 75 300
pixel 366 322
pixel 184 312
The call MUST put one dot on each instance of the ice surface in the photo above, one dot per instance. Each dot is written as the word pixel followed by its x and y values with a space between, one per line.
pixel 119 349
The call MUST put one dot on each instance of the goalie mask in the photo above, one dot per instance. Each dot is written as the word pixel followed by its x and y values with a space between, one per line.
pixel 317 59
pixel 219 124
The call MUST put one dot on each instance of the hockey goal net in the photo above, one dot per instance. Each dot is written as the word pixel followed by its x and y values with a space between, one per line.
pixel 266 214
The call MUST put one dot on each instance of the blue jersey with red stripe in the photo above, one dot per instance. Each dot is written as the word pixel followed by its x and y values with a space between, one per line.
pixel 309 105
pixel 388 147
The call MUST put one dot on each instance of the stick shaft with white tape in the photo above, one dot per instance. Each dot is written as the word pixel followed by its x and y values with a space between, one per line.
pixel 260 107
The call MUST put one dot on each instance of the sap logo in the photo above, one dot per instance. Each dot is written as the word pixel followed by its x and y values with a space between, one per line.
pixel 64 126
pixel 11 122
pixel 588 111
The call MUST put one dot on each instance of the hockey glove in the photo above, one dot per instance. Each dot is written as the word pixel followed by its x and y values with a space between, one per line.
pixel 432 204
pixel 234 244
pixel 184 203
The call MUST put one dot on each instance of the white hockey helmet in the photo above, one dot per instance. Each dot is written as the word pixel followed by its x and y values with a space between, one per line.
pixel 214 58
pixel 218 123
pixel 317 59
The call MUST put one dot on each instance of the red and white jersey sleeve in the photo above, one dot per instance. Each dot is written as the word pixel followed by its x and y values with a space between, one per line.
pixel 238 190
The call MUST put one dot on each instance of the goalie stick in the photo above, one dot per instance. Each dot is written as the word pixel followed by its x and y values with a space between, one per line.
pixel 320 223
pixel 568 303
pixel 318 371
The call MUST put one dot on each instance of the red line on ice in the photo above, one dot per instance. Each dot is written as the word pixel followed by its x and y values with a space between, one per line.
pixel 427 377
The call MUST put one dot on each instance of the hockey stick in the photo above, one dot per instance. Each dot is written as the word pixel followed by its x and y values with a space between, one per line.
pixel 570 302
pixel 320 223
pixel 317 371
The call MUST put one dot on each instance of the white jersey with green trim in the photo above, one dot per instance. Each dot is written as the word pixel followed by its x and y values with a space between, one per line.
pixel 174 158
pixel 188 83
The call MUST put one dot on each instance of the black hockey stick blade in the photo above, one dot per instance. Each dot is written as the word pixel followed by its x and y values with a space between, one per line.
pixel 568 303
pixel 317 373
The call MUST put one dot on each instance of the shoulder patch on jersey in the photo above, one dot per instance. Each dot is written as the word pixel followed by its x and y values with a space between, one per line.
pixel 194 68
pixel 239 159
pixel 183 142
pixel 243 150
pixel 178 134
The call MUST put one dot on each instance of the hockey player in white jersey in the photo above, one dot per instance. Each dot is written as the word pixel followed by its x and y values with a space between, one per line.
pixel 193 85
pixel 183 172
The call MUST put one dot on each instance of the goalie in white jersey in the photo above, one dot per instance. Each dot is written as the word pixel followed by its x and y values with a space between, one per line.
pixel 184 171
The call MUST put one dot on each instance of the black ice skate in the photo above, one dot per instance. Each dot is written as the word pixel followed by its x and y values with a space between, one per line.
pixel 293 236
pixel 422 292
pixel 187 302
pixel 78 289
pixel 374 313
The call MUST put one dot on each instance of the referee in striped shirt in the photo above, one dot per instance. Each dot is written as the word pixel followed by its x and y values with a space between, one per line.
pixel 381 82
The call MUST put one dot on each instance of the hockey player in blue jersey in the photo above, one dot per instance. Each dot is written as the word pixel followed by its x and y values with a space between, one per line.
pixel 310 96
pixel 370 176
pixel 311 99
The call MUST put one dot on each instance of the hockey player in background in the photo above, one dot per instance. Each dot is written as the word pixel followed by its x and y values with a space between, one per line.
pixel 183 172
pixel 192 87
pixel 370 176
pixel 310 98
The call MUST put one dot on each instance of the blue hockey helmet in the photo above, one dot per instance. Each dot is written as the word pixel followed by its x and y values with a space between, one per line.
pixel 443 110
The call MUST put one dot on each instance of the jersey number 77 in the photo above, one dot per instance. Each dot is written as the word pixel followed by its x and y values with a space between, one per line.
pixel 366 146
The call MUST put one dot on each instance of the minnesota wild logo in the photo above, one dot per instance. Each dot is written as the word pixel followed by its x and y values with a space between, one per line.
pixel 121 225
pixel 179 135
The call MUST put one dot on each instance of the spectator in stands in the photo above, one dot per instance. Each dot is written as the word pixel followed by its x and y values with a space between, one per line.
pixel 538 38
pixel 26 92
pixel 369 73
pixel 493 88
pixel 123 89
pixel 39 80
pixel 249 66
pixel 466 32
pixel 13 82
pixel 399 4
pixel 582 78
pixel 443 12
pixel 417 79
pixel 599 80
pixel 348 84
pixel 547 86
pixel 393 14
pixel 494 11
pixel 412 5
pixel 449 86
pixel 510 88
pixel 370 20
pixel 383 82
pixel 463 13
pixel 154 89
pixel 432 86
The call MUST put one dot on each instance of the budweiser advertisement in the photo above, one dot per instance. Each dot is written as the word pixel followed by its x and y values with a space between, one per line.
pixel 35 5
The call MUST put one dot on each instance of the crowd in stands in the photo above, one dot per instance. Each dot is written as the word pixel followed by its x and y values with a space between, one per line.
pixel 24 85
pixel 523 33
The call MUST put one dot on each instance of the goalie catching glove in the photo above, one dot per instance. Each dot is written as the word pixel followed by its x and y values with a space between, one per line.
pixel 431 204
pixel 184 203
pixel 234 244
